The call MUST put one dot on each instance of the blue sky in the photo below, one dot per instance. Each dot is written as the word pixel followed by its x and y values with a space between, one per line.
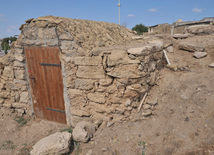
pixel 13 13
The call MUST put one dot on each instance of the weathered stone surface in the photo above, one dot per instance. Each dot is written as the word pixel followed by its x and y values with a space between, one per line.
pixel 100 108
pixel 18 64
pixel 66 36
pixel 83 131
pixel 55 144
pixel 126 71
pixel 137 37
pixel 106 82
pixel 47 34
pixel 90 72
pixel 180 36
pixel 8 72
pixel 84 84
pixel 97 97
pixel 199 55
pixel 67 45
pixel 128 102
pixel 19 74
pixel 140 51
pixel 156 44
pixel 19 57
pixel 78 112
pixel 120 57
pixel 88 61
pixel 19 50
pixel 74 93
pixel 11 86
pixel 20 105
pixel 24 97
pixel 5 94
pixel 191 47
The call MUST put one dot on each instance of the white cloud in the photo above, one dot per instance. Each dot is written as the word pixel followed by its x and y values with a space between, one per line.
pixel 153 10
pixel 2 15
pixel 197 10
pixel 131 15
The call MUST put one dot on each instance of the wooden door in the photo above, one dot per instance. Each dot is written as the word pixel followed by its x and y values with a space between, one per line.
pixel 45 75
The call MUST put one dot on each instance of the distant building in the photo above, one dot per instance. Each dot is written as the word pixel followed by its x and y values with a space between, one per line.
pixel 179 26
pixel 160 29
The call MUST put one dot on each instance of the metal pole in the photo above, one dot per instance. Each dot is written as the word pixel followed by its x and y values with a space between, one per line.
pixel 119 11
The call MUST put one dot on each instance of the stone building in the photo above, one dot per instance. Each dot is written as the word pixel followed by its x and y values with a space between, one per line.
pixel 160 29
pixel 180 27
pixel 68 70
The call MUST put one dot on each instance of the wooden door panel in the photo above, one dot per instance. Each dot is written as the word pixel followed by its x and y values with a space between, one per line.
pixel 45 76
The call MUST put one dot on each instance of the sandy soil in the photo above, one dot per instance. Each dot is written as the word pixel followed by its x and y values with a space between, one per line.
pixel 182 123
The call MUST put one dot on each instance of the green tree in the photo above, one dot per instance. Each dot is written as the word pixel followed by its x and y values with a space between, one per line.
pixel 140 28
pixel 6 43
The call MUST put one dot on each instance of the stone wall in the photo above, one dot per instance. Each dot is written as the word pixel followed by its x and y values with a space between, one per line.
pixel 100 83
pixel 13 85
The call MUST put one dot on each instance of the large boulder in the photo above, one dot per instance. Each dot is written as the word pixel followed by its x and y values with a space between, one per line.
pixel 152 47
pixel 83 131
pixel 191 47
pixel 55 144
pixel 181 36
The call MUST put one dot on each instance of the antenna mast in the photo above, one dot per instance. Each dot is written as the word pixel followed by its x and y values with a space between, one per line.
pixel 119 5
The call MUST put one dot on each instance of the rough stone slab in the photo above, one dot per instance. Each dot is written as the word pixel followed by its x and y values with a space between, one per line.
pixel 19 57
pixel 18 64
pixel 78 112
pixel 19 74
pixel 170 49
pixel 55 144
pixel 24 97
pixel 83 131
pixel 191 47
pixel 8 72
pixel 157 45
pixel 90 72
pixel 106 82
pixel 199 55
pixel 67 45
pixel 97 97
pixel 66 36
pixel 100 108
pixel 126 71
pixel 84 84
pixel 180 36
pixel 88 61
pixel 140 51
pixel 120 57
pixel 11 85
pixel 74 93
pixel 20 105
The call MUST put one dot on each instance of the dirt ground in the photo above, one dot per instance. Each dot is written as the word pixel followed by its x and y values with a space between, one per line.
pixel 181 124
